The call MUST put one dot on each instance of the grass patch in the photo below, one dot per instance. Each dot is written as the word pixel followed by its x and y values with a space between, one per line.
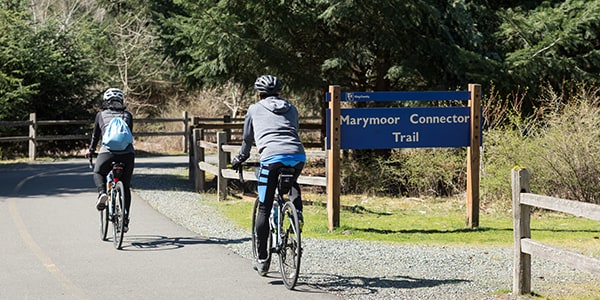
pixel 427 221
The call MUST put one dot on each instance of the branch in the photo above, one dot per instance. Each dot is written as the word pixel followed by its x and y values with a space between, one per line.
pixel 545 48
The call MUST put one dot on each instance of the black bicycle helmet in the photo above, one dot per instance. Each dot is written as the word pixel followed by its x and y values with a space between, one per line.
pixel 267 85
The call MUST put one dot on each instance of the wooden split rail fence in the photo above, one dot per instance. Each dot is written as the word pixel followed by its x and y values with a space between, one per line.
pixel 223 152
pixel 525 247
pixel 34 137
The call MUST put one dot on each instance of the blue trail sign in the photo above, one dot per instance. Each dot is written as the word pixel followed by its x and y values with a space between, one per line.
pixel 406 127
pixel 388 128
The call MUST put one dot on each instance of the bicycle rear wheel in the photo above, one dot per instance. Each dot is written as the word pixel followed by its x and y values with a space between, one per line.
pixel 103 223
pixel 255 236
pixel 118 220
pixel 290 252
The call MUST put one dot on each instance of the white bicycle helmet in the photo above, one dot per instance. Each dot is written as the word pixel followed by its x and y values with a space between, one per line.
pixel 113 94
pixel 113 99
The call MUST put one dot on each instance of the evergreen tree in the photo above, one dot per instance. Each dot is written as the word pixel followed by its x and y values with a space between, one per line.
pixel 553 44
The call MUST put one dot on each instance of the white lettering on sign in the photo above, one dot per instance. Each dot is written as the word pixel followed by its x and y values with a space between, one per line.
pixel 416 119
pixel 406 138
pixel 364 122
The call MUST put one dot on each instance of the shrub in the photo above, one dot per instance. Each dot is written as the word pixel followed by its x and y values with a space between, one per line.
pixel 433 172
pixel 560 145
pixel 567 161
pixel 408 172
pixel 502 150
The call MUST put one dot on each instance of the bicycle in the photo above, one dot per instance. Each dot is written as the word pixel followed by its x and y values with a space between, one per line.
pixel 285 234
pixel 114 212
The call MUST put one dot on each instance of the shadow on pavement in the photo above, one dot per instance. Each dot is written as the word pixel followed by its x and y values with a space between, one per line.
pixel 369 285
pixel 161 165
pixel 44 179
pixel 300 287
pixel 74 176
pixel 161 243
pixel 161 182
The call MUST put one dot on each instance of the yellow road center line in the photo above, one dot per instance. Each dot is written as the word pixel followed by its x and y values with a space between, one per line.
pixel 41 256
pixel 67 284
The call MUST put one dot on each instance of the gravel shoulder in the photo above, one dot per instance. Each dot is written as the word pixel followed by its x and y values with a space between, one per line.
pixel 355 269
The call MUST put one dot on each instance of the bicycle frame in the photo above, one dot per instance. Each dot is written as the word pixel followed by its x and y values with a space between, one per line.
pixel 114 211
pixel 283 240
pixel 111 180
pixel 276 229
pixel 115 206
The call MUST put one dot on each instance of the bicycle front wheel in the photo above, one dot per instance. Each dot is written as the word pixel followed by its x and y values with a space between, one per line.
pixel 118 220
pixel 255 236
pixel 290 252
pixel 103 223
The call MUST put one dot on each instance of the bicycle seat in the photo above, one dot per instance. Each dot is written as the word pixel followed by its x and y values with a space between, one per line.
pixel 117 169
pixel 286 179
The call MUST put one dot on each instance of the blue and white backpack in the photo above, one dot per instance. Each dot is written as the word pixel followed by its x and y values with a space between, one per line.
pixel 117 135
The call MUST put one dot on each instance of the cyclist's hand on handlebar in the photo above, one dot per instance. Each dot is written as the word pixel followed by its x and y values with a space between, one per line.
pixel 89 153
pixel 236 162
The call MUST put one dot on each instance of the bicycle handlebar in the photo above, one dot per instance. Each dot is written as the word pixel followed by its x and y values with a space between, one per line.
pixel 240 170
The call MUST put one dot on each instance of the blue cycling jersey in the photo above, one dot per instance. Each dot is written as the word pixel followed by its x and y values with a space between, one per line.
pixel 286 159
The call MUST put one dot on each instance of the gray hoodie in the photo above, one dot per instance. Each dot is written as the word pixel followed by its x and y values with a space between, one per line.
pixel 273 124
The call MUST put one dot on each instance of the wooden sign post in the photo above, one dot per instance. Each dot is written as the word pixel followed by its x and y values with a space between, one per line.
pixel 473 156
pixel 333 159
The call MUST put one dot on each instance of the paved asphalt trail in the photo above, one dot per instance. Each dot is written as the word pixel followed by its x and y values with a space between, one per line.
pixel 51 247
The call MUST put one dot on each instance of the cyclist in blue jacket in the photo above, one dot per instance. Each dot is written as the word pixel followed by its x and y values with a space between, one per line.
pixel 271 123
pixel 112 106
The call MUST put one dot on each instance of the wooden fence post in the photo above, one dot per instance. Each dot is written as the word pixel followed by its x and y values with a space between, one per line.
pixel 190 144
pixel 192 150
pixel 199 176
pixel 187 133
pixel 473 156
pixel 226 120
pixel 32 135
pixel 222 164
pixel 333 159
pixel 521 225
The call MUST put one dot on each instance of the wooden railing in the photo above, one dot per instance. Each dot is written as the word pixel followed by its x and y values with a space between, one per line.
pixel 223 152
pixel 33 138
pixel 525 247
pixel 311 129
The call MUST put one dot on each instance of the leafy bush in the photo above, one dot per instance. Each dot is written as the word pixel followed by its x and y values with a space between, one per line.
pixel 502 150
pixel 560 145
pixel 408 172
pixel 432 172
pixel 504 146
pixel 568 149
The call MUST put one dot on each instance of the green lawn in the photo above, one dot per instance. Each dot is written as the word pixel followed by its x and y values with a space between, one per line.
pixel 429 221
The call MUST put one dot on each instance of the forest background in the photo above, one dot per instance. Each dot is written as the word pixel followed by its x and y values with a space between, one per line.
pixel 538 63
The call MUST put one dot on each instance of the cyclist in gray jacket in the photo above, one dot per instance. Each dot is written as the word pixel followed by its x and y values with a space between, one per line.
pixel 271 123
